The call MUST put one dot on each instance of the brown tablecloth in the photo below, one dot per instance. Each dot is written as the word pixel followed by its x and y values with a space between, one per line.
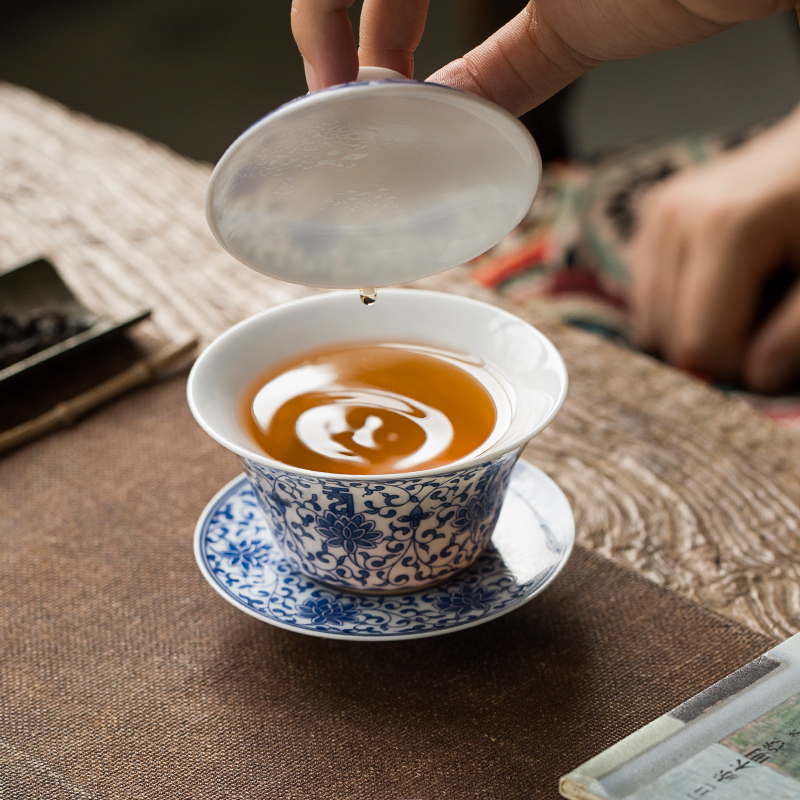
pixel 124 675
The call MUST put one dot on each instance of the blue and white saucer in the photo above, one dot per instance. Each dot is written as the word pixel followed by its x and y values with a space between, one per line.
pixel 530 545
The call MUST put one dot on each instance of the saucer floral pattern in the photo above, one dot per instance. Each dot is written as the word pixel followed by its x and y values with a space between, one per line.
pixel 246 553
pixel 236 552
pixel 325 611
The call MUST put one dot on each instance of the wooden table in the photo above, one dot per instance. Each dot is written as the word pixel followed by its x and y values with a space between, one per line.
pixel 692 489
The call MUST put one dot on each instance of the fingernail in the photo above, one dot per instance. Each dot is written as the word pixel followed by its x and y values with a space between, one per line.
pixel 311 77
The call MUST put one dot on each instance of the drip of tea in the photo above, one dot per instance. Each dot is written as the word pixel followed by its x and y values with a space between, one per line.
pixel 368 295
pixel 376 408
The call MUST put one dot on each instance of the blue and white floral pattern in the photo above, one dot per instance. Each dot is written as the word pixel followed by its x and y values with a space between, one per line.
pixel 382 535
pixel 236 553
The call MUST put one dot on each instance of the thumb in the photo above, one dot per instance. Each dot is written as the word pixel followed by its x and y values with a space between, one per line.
pixel 519 66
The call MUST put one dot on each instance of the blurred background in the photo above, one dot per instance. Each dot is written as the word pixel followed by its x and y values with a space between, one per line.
pixel 194 73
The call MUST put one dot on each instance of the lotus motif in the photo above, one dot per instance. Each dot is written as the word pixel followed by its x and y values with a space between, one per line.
pixel 248 553
pixel 350 533
pixel 324 611
pixel 467 598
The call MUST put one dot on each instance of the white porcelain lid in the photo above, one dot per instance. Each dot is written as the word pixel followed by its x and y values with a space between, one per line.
pixel 372 183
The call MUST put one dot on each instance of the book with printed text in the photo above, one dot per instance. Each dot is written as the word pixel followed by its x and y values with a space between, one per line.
pixel 737 740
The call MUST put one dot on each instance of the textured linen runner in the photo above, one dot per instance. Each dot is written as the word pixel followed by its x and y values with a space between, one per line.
pixel 124 675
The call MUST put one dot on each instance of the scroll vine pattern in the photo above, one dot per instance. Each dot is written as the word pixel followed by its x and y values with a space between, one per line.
pixel 382 534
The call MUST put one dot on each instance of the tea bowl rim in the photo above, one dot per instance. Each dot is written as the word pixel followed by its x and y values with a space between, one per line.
pixel 487 456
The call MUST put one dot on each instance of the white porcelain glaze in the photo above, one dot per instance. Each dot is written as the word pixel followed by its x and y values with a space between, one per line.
pixel 381 532
pixel 372 183
pixel 533 539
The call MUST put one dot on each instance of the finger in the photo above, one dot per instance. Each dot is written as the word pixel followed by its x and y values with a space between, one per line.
pixel 324 35
pixel 719 294
pixel 389 33
pixel 666 289
pixel 656 258
pixel 643 274
pixel 550 43
pixel 519 66
pixel 772 363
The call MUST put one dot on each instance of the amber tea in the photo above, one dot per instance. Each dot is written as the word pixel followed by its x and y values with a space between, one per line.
pixel 376 408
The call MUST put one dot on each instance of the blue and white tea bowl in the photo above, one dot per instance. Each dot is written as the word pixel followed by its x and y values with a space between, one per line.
pixel 381 533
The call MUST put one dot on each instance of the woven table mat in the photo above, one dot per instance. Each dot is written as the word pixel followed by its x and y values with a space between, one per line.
pixel 124 675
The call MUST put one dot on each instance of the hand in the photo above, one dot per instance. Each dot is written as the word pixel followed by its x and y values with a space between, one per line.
pixel 708 242
pixel 541 50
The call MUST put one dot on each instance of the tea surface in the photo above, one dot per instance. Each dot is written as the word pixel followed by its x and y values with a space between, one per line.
pixel 375 409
